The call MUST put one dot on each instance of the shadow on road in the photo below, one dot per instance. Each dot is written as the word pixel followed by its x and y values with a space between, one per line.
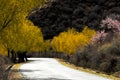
pixel 15 71
pixel 24 70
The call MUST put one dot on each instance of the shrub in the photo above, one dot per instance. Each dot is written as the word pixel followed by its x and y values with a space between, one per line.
pixel 74 59
pixel 104 58
pixel 109 65
pixel 85 56
pixel 117 65
pixel 114 49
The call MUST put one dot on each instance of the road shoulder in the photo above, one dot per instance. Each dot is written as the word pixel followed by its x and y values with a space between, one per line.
pixel 67 64
pixel 15 73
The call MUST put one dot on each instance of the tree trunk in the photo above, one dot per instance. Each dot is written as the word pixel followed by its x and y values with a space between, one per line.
pixel 8 53
pixel 25 56
pixel 22 56
pixel 13 56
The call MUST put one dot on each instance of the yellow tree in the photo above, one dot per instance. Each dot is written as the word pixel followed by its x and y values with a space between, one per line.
pixel 13 10
pixel 24 37
pixel 68 42
pixel 13 15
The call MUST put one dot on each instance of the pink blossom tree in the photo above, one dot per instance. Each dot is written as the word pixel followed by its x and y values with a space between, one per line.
pixel 111 24
pixel 110 27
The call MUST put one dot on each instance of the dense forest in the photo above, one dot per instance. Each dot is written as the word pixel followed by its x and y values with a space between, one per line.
pixel 85 33
pixel 63 14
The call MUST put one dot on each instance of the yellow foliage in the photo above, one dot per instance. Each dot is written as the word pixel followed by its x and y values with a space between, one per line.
pixel 12 11
pixel 3 50
pixel 24 37
pixel 70 41
pixel 16 32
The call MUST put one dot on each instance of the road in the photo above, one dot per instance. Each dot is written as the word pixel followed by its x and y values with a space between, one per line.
pixel 51 69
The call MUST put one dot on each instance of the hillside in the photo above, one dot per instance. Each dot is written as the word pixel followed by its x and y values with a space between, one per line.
pixel 59 15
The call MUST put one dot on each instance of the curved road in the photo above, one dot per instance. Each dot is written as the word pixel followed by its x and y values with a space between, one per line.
pixel 51 69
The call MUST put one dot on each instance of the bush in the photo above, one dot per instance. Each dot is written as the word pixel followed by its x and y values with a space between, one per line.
pixel 104 58
pixel 95 61
pixel 111 53
pixel 83 57
pixel 118 65
pixel 114 49
pixel 74 59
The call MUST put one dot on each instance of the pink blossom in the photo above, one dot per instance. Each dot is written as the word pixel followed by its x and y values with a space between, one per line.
pixel 110 23
pixel 99 37
pixel 114 25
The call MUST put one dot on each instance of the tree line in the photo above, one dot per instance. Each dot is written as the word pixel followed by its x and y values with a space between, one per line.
pixel 17 34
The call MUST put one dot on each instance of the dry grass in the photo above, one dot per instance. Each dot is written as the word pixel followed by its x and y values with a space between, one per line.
pixel 15 74
pixel 87 70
